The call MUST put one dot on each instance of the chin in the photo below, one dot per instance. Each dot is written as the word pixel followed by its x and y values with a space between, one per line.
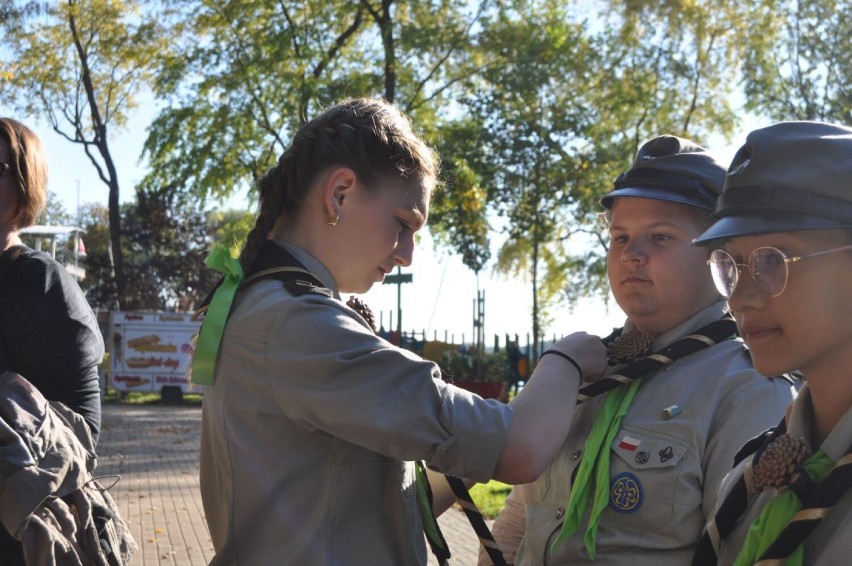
pixel 769 366
pixel 355 289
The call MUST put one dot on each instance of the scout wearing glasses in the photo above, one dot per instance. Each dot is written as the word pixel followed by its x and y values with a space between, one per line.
pixel 635 481
pixel 783 257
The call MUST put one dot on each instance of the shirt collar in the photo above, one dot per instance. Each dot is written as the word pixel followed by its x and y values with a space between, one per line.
pixel 313 265
pixel 702 318
pixel 802 424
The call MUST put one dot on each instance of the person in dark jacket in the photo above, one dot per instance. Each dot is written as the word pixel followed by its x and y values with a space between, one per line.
pixel 48 332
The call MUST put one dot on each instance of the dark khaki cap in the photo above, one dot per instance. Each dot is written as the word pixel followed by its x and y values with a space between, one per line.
pixel 673 169
pixel 787 177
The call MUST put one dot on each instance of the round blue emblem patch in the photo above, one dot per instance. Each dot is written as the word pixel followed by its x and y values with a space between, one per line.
pixel 625 493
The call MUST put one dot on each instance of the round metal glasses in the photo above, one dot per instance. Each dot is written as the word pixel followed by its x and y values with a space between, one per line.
pixel 767 267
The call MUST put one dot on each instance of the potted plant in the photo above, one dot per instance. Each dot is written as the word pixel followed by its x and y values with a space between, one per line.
pixel 486 374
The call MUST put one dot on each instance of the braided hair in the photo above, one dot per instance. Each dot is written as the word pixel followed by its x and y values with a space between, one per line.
pixel 369 136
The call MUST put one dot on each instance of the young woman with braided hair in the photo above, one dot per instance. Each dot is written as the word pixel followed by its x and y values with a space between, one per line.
pixel 311 421
pixel 782 255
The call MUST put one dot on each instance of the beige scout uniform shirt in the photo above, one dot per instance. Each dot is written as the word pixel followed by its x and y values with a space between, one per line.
pixel 671 467
pixel 307 429
pixel 830 543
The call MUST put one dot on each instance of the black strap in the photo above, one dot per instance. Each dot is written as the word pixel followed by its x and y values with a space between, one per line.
pixel 815 506
pixel 735 502
pixel 820 497
pixel 713 333
pixel 474 516
pixel 274 262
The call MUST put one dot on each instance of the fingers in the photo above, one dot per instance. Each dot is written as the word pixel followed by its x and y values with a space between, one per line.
pixel 587 350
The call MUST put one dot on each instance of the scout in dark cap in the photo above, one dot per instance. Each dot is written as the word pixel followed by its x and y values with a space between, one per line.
pixel 650 442
pixel 782 255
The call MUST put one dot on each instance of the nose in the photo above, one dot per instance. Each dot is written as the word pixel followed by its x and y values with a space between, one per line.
pixel 634 251
pixel 404 252
pixel 745 294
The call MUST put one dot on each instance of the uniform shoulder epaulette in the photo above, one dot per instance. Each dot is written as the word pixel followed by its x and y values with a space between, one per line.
pixel 275 262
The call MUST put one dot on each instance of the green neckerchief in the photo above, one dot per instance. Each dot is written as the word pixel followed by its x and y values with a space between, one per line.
pixel 592 479
pixel 210 336
pixel 430 525
pixel 775 516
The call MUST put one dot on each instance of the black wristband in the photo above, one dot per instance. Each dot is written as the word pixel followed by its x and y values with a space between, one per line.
pixel 563 355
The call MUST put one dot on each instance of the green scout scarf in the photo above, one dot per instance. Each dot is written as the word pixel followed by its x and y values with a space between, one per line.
pixel 210 335
pixel 272 262
pixel 777 514
pixel 620 389
pixel 593 472
pixel 434 536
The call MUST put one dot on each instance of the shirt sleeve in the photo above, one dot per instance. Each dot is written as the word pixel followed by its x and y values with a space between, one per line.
pixel 344 380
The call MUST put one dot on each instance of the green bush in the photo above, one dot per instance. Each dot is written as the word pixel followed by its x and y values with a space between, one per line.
pixel 490 497
pixel 466 366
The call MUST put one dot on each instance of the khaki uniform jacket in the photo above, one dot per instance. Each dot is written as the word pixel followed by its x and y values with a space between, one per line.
pixel 828 544
pixel 664 472
pixel 310 427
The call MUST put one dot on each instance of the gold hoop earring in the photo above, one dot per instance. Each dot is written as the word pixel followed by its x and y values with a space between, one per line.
pixel 333 222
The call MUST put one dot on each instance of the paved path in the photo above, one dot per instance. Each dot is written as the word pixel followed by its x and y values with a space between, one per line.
pixel 155 450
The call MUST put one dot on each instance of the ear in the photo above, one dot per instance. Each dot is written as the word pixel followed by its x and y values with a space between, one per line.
pixel 339 185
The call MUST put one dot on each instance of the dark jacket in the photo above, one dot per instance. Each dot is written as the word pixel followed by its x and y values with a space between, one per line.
pixel 48 498
pixel 48 332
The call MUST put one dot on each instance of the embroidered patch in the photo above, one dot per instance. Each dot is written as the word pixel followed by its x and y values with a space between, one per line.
pixel 641 457
pixel 626 494
pixel 666 454
pixel 629 443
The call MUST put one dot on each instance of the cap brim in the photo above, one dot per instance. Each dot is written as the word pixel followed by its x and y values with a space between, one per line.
pixel 652 193
pixel 754 225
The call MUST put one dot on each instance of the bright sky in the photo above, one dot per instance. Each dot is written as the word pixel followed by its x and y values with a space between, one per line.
pixel 440 299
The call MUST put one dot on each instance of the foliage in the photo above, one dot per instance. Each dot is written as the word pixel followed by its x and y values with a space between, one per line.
pixel 166 246
pixel 535 107
pixel 799 65
pixel 99 285
pixel 562 101
pixel 248 74
pixel 467 366
pixel 54 213
pixel 490 497
pixel 527 120
pixel 458 213
pixel 230 228
pixel 80 64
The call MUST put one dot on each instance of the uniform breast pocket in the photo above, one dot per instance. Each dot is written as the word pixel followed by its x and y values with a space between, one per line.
pixel 644 471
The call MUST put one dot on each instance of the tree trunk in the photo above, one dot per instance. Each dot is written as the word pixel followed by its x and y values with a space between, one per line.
pixel 111 177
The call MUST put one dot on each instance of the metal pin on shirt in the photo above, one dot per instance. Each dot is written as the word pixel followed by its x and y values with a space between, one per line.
pixel 670 412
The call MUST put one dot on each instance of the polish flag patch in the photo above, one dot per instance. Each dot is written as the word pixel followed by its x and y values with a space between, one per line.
pixel 629 443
